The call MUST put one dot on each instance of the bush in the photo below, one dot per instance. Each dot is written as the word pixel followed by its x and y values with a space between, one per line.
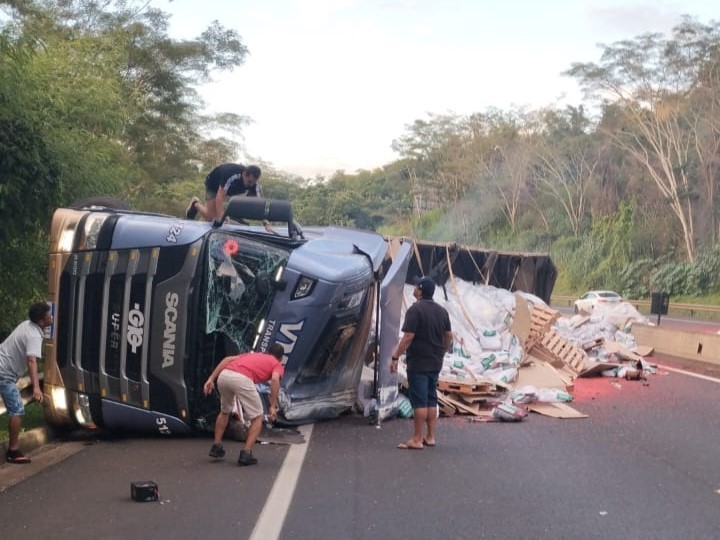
pixel 34 418
pixel 23 271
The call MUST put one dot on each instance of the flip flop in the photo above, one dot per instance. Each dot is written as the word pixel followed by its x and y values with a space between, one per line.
pixel 425 443
pixel 406 446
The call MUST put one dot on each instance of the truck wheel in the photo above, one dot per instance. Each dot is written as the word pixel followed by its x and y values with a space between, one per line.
pixel 104 201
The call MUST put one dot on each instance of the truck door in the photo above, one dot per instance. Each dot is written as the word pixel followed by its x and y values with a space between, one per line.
pixel 391 298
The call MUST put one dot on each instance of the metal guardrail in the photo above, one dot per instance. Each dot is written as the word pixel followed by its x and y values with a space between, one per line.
pixel 705 310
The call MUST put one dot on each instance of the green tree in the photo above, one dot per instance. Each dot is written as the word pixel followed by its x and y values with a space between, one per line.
pixel 147 78
pixel 95 98
pixel 566 163
pixel 650 80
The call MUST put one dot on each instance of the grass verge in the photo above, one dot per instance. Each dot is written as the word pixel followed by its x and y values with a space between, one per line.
pixel 34 417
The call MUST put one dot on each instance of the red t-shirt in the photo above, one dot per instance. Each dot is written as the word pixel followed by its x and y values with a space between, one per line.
pixel 257 366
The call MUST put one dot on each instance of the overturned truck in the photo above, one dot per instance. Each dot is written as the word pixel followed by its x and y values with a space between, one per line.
pixel 146 305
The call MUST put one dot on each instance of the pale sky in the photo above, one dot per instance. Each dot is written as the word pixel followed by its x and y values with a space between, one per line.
pixel 329 84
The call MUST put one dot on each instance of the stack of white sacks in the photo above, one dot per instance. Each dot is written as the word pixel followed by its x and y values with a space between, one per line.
pixel 610 323
pixel 480 316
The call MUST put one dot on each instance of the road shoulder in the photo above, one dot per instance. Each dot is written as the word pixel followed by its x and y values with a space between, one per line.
pixel 43 456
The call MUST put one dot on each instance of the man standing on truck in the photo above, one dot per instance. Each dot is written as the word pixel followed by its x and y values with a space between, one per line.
pixel 236 379
pixel 18 354
pixel 426 336
pixel 224 181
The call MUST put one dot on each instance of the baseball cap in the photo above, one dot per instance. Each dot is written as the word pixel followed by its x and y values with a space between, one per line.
pixel 426 285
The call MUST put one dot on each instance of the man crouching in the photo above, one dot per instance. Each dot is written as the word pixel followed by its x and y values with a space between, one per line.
pixel 236 379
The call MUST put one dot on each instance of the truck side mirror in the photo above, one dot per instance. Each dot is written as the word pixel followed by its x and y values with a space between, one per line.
pixel 241 207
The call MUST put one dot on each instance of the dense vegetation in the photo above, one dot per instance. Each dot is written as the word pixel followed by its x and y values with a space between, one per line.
pixel 622 189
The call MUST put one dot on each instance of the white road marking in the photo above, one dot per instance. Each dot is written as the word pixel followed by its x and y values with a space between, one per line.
pixel 270 523
pixel 690 374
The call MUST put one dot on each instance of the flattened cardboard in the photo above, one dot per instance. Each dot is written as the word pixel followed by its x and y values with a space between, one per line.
pixel 621 350
pixel 556 410
pixel 644 350
pixel 522 321
pixel 540 374
pixel 595 369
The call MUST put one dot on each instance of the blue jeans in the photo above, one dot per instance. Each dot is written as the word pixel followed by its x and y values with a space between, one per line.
pixel 11 397
pixel 422 389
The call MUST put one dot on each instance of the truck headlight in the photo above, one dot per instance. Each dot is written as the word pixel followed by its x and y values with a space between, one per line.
pixel 303 288
pixel 59 398
pixel 91 230
pixel 82 412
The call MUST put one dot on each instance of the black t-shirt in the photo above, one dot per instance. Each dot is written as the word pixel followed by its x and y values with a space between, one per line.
pixel 429 322
pixel 229 175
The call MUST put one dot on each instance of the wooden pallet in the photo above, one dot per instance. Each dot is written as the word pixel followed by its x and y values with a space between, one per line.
pixel 459 405
pixel 470 389
pixel 446 408
pixel 560 352
pixel 473 399
pixel 457 397
pixel 541 319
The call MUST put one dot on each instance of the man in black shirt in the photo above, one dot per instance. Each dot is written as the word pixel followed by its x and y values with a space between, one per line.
pixel 426 336
pixel 225 181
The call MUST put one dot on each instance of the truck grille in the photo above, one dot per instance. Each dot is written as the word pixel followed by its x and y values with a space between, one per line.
pixel 104 323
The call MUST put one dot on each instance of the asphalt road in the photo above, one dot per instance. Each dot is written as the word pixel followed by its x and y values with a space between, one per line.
pixel 643 465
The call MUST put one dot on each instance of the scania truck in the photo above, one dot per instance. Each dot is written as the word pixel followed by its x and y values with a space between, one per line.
pixel 146 305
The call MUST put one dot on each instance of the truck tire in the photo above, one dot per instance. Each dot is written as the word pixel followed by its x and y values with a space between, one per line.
pixel 104 201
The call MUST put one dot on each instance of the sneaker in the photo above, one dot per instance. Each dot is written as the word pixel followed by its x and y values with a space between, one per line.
pixel 246 458
pixel 16 456
pixel 217 451
pixel 191 211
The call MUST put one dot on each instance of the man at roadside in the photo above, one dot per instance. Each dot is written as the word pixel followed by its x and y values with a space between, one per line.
pixel 224 181
pixel 236 378
pixel 426 336
pixel 19 354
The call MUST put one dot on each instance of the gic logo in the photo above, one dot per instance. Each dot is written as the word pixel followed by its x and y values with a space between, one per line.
pixel 136 319
pixel 171 314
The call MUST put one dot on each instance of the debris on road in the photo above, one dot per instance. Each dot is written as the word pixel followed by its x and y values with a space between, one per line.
pixel 512 352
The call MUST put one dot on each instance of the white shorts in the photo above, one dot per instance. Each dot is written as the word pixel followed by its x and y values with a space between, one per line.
pixel 233 385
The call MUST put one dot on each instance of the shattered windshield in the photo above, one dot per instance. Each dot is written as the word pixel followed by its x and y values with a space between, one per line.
pixel 242 278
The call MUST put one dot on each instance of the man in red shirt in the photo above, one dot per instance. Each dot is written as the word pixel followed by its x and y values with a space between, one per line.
pixel 236 379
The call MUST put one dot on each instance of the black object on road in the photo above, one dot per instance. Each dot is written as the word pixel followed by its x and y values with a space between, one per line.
pixel 144 491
